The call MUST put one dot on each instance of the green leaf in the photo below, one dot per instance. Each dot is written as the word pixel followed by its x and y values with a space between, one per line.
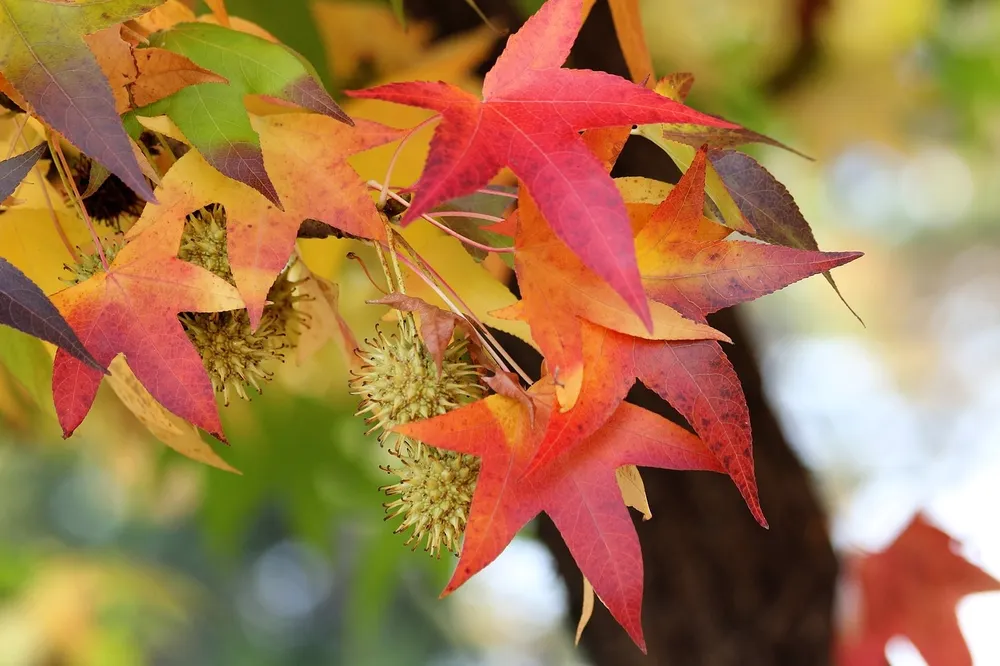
pixel 294 25
pixel 43 56
pixel 213 117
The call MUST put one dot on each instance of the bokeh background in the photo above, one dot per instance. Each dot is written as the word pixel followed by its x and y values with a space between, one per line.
pixel 116 550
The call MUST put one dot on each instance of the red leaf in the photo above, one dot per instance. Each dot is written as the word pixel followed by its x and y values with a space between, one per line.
pixel 528 120
pixel 132 309
pixel 686 266
pixel 578 489
pixel 911 589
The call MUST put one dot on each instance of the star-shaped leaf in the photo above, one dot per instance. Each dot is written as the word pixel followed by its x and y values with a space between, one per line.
pixel 577 489
pixel 306 156
pixel 529 119
pixel 212 115
pixel 43 56
pixel 910 589
pixel 132 310
pixel 686 265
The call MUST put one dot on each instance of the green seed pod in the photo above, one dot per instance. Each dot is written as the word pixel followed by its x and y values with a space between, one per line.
pixel 236 358
pixel 90 264
pixel 433 495
pixel 399 382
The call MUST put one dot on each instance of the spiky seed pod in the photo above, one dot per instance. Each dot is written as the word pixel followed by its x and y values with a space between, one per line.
pixel 204 241
pixel 399 382
pixel 89 264
pixel 237 358
pixel 433 495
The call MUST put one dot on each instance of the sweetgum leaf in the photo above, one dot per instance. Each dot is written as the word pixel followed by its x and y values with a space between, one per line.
pixel 528 119
pixel 911 589
pixel 306 156
pixel 578 489
pixel 43 56
pixel 213 117
pixel 767 205
pixel 132 309
pixel 686 266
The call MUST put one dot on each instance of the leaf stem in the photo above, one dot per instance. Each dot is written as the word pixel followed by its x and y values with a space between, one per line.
pixel 52 210
pixel 374 184
pixel 468 314
pixel 470 214
pixel 499 193
pixel 62 166
pixel 384 194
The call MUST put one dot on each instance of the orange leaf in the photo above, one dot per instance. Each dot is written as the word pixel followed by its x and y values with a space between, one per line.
pixel 142 76
pixel 306 158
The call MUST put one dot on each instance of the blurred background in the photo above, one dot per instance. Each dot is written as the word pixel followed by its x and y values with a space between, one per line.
pixel 116 550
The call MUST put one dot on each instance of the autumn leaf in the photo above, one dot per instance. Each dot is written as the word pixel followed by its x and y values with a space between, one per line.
pixel 132 309
pixel 437 326
pixel 578 489
pixel 43 56
pixel 179 435
pixel 213 117
pixel 687 266
pixel 549 272
pixel 684 267
pixel 911 589
pixel 306 156
pixel 528 120
pixel 139 77
pixel 767 205
pixel 14 169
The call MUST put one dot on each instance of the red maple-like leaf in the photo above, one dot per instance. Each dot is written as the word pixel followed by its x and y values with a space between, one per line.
pixel 529 119
pixel 306 157
pixel 577 489
pixel 132 309
pixel 685 265
pixel 911 589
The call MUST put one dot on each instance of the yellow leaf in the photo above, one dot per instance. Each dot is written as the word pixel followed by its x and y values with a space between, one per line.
pixel 173 431
pixel 348 47
pixel 633 491
pixel 326 323
pixel 473 283
pixel 588 609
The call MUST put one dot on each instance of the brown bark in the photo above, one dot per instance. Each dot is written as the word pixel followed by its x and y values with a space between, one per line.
pixel 719 589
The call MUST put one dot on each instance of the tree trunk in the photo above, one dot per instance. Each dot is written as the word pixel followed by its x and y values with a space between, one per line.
pixel 719 590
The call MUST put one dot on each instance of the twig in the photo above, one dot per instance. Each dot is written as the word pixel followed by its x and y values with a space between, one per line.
pixel 62 166
pixel 383 195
